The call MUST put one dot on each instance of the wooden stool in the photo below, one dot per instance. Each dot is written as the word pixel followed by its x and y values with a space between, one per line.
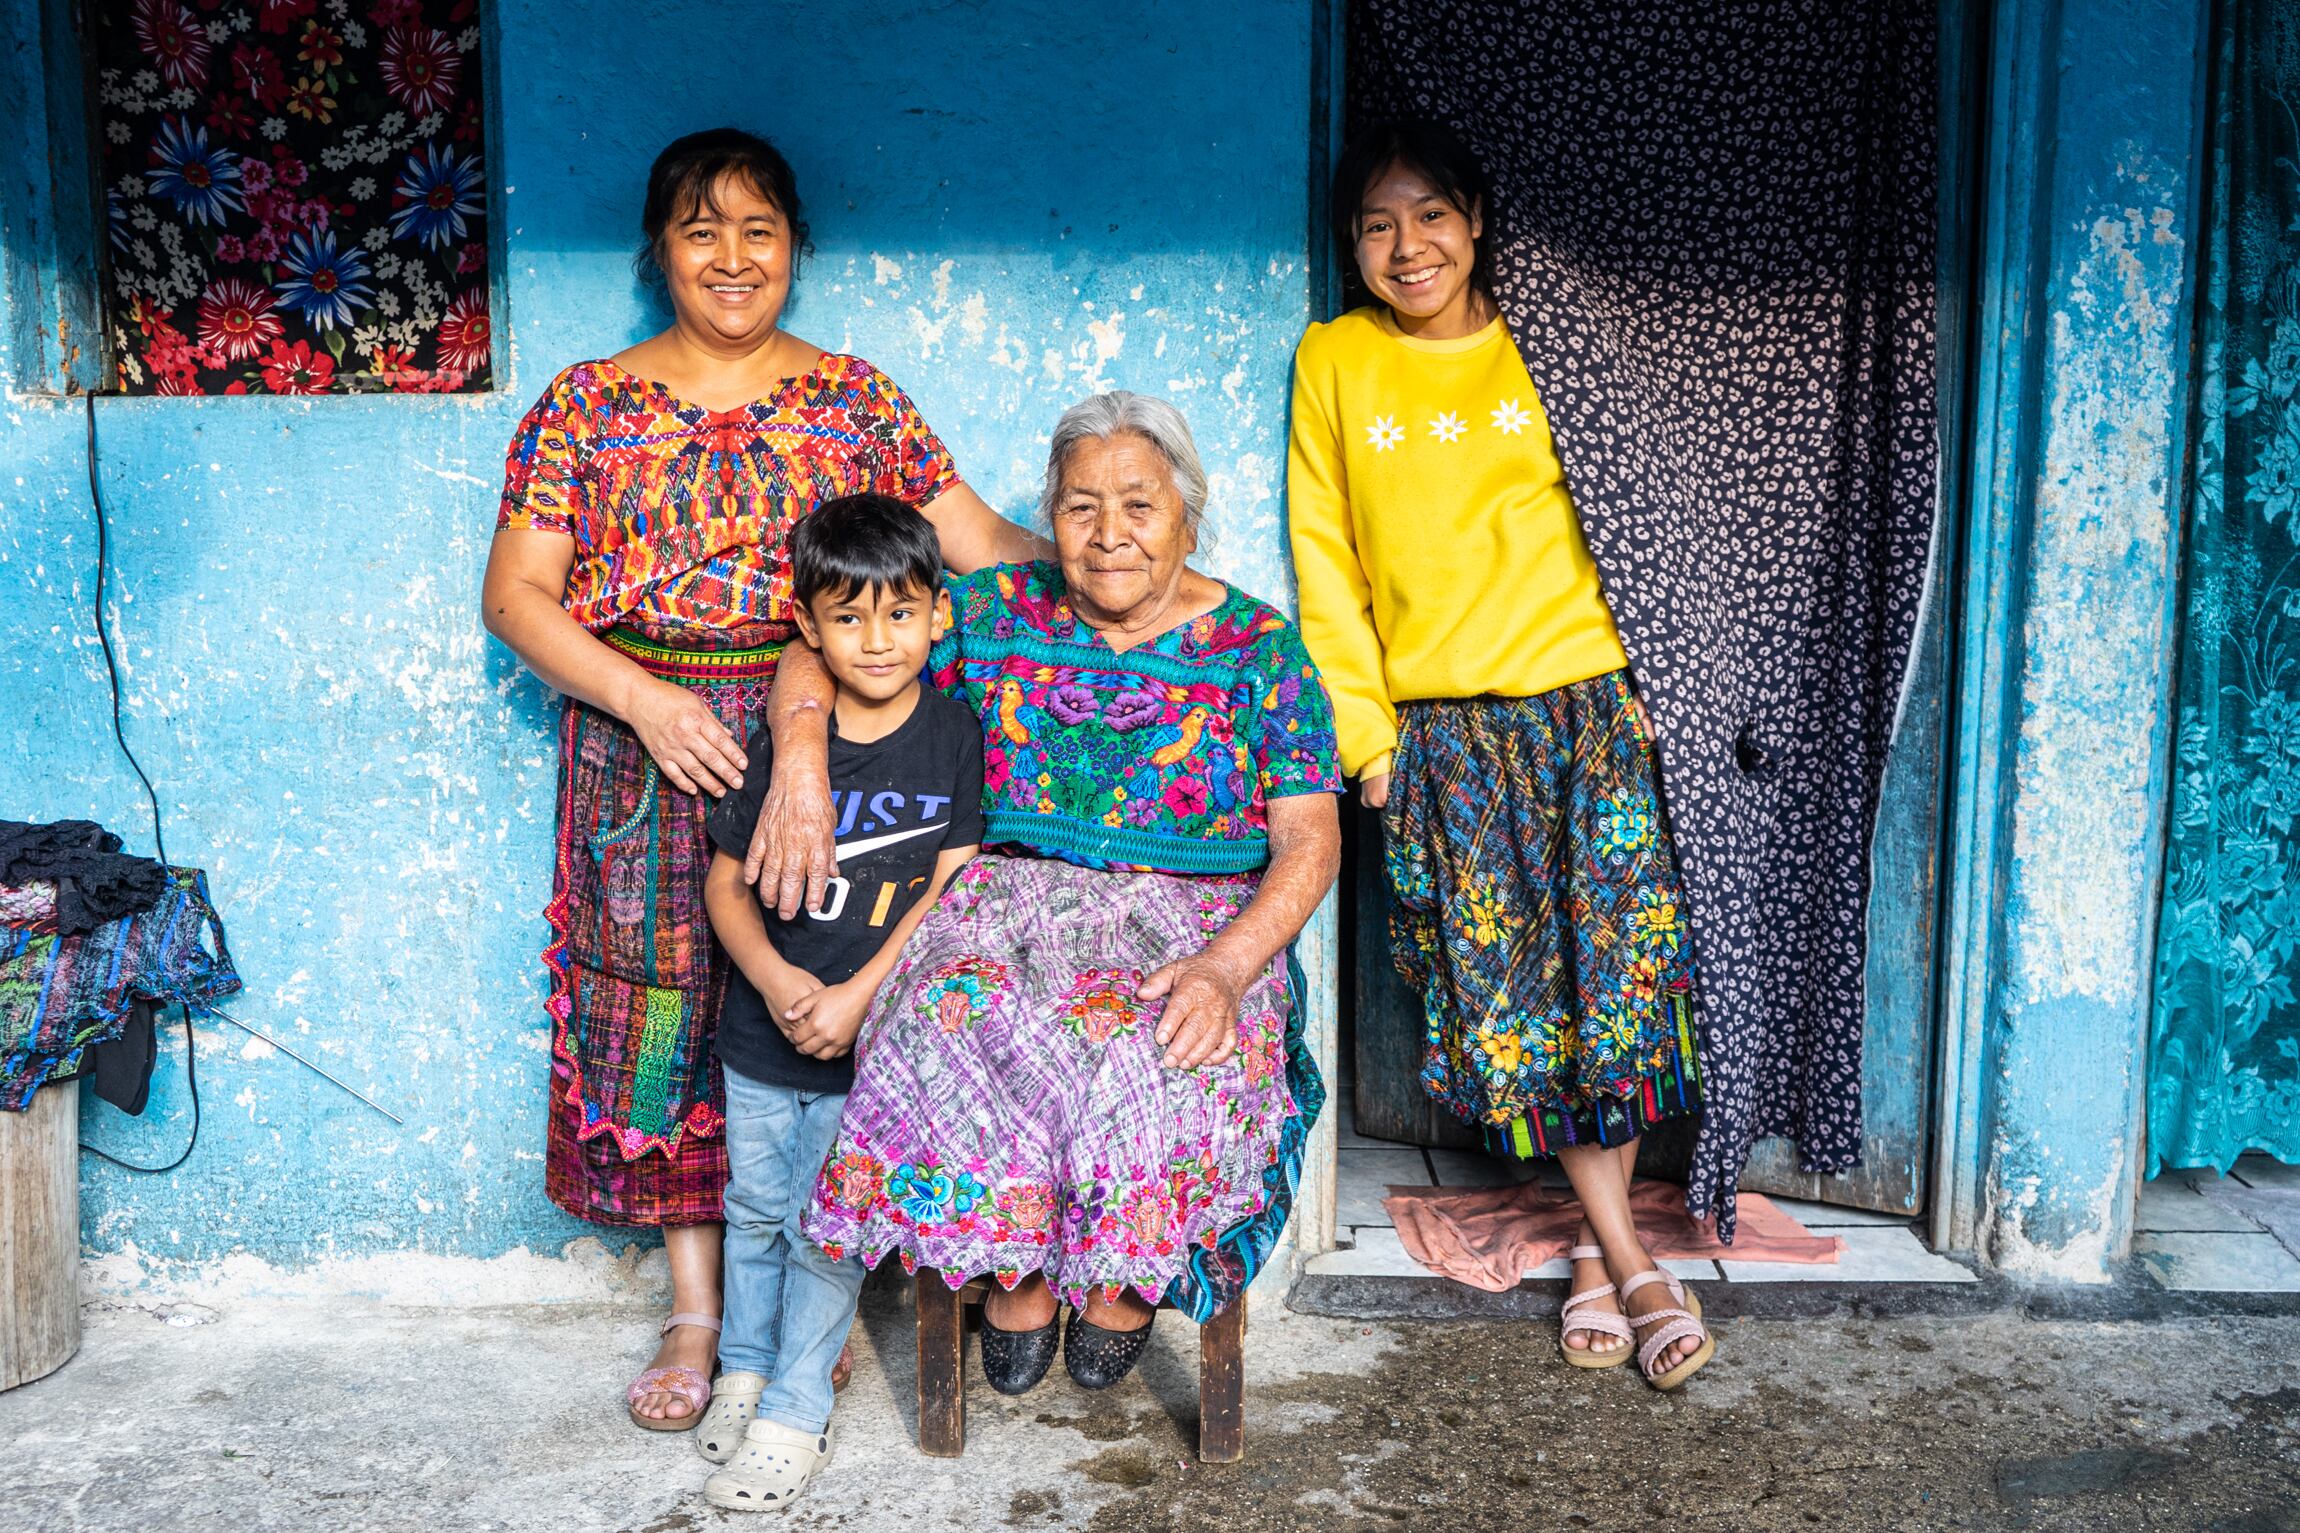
pixel 942 1373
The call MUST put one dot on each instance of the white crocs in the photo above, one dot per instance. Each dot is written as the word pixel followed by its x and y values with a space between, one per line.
pixel 768 1471
pixel 734 1401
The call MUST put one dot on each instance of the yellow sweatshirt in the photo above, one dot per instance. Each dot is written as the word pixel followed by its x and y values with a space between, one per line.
pixel 1437 548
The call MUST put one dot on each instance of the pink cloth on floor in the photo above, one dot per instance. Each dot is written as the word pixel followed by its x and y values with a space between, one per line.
pixel 1490 1237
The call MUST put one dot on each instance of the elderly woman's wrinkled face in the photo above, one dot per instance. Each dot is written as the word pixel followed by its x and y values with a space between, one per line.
pixel 727 264
pixel 1120 530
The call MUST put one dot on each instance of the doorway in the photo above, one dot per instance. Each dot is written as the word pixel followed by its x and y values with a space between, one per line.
pixel 1380 1020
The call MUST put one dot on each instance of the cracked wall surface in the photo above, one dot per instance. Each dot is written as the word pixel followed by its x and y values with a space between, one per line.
pixel 1011 210
pixel 2104 370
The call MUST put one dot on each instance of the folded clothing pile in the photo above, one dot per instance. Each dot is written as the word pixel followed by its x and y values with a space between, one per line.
pixel 90 941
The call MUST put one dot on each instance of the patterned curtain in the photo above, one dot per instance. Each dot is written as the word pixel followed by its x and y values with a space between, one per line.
pixel 2224 1050
pixel 296 195
pixel 1717 245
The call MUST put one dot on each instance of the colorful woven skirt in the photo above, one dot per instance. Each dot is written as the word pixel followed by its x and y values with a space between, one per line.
pixel 635 974
pixel 1011 1115
pixel 1536 907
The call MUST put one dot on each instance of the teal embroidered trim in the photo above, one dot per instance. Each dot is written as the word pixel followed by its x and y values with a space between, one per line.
pixel 987 657
pixel 1122 847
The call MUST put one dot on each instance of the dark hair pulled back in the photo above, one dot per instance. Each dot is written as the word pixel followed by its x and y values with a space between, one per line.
pixel 1430 150
pixel 688 172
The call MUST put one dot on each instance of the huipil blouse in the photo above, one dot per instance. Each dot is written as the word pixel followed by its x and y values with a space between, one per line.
pixel 1163 758
pixel 682 516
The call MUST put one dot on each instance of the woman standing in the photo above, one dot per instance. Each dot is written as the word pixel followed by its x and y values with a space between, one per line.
pixel 1484 702
pixel 640 567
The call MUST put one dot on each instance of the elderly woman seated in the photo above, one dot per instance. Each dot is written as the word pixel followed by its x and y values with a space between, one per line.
pixel 1086 1077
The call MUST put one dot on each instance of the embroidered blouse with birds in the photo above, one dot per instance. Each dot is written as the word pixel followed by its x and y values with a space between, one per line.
pixel 1161 758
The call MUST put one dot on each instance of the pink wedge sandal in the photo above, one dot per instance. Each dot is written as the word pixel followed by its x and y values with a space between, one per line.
pixel 1674 1325
pixel 688 1384
pixel 1595 1323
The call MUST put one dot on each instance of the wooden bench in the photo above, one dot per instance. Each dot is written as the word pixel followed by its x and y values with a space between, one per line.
pixel 942 1373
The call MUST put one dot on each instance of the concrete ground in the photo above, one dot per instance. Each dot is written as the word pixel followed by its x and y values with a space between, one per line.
pixel 267 1414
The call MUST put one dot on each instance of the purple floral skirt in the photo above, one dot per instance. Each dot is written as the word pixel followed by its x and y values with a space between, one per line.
pixel 1010 1113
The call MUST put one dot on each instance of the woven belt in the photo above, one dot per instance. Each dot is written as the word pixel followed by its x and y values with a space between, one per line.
pixel 696 667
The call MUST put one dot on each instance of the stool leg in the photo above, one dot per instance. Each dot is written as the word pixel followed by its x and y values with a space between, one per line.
pixel 941 1368
pixel 1222 1386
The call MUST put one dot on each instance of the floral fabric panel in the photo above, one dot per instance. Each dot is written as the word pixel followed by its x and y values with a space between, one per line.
pixel 682 516
pixel 296 195
pixel 1766 592
pixel 1165 757
pixel 2224 1050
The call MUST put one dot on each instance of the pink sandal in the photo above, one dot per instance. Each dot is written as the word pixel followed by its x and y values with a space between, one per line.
pixel 1675 1325
pixel 1595 1323
pixel 687 1384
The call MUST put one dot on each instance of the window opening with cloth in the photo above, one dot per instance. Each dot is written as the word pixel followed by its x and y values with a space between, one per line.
pixel 295 193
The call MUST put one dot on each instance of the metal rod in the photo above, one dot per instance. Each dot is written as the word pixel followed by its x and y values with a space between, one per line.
pixel 218 1011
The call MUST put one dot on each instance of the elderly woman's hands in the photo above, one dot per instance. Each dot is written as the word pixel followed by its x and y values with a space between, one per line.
pixel 1204 990
pixel 792 856
pixel 1202 994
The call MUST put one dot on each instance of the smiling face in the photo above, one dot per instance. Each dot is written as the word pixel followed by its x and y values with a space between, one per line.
pixel 1416 252
pixel 1120 531
pixel 727 264
pixel 874 640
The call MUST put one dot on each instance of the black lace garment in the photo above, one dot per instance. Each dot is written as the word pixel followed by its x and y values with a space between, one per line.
pixel 95 882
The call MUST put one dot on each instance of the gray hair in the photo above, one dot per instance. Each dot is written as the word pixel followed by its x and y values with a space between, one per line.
pixel 1120 413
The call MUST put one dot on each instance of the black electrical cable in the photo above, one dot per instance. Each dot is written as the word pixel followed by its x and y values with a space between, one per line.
pixel 120 736
pixel 104 632
pixel 192 1082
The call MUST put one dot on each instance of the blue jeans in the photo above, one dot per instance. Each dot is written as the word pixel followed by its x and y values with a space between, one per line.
pixel 788 1305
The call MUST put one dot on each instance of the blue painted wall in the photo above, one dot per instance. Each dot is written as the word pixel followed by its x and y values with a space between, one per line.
pixel 2081 409
pixel 1012 210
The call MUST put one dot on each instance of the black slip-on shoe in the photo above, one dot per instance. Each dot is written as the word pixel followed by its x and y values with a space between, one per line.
pixel 1098 1358
pixel 1014 1361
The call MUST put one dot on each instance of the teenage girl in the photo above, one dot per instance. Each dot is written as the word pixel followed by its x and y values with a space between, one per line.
pixel 1486 707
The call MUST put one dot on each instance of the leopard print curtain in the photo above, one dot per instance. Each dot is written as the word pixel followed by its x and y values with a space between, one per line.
pixel 1717 253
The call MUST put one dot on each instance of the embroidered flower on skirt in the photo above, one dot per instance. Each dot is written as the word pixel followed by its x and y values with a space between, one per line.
pixel 957 995
pixel 1011 1112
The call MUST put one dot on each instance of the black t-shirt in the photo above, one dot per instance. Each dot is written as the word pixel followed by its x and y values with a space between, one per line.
pixel 900 801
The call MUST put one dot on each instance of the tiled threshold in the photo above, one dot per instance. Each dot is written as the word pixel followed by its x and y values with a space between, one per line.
pixel 2187 1241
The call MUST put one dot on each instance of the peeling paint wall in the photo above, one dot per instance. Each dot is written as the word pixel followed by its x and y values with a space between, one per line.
pixel 1012 208
pixel 2088 783
pixel 2068 628
pixel 2103 552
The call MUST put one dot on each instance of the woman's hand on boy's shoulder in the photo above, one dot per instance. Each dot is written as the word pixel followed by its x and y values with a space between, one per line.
pixel 793 855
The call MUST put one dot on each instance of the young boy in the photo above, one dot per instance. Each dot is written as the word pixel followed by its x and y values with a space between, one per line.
pixel 906 776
